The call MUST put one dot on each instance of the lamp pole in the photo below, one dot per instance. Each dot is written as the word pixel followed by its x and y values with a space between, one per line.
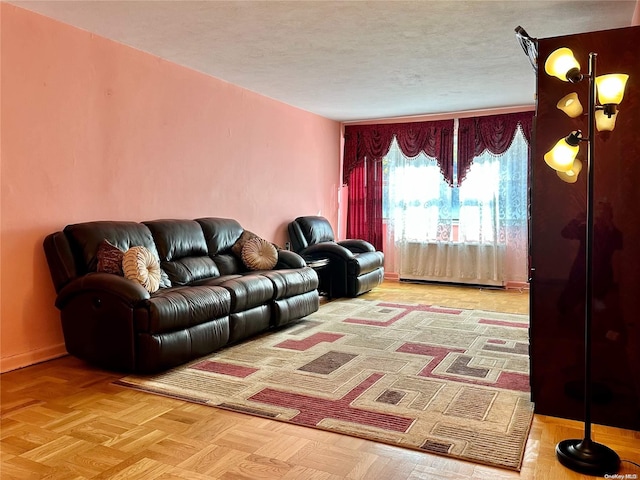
pixel 585 455
pixel 588 294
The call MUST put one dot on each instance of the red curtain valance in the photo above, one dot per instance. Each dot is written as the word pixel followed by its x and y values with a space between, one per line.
pixel 372 142
pixel 494 133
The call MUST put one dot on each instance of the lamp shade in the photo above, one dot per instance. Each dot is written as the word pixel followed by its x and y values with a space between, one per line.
pixel 563 154
pixel 561 62
pixel 571 175
pixel 605 123
pixel 570 104
pixel 611 88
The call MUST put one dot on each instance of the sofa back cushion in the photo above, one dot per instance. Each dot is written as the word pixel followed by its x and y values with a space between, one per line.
pixel 182 249
pixel 229 264
pixel 85 238
pixel 220 234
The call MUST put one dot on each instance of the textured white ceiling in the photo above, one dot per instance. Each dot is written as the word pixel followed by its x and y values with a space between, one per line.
pixel 350 60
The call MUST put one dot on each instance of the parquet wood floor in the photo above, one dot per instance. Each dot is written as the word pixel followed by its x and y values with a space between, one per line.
pixel 65 420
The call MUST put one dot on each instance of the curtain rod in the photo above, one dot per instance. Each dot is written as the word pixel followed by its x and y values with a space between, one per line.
pixel 444 116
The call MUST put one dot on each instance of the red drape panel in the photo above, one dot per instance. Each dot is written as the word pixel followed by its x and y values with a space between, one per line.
pixel 364 148
pixel 356 208
pixel 374 205
pixel 494 133
pixel 364 212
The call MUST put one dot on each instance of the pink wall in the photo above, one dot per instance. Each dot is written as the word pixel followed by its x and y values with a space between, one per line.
pixel 636 14
pixel 92 130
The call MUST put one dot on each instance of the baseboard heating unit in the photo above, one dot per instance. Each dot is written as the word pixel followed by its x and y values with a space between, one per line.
pixel 456 263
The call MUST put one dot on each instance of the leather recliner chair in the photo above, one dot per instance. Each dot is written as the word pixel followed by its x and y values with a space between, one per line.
pixel 355 267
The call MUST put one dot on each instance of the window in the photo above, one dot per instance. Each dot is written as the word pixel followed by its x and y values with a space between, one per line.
pixel 412 204
pixel 422 206
pixel 416 196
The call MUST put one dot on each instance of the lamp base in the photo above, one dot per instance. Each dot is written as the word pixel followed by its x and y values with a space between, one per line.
pixel 587 457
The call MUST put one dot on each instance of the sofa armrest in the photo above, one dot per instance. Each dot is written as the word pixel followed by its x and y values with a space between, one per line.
pixel 327 249
pixel 289 259
pixel 60 259
pixel 127 290
pixel 357 246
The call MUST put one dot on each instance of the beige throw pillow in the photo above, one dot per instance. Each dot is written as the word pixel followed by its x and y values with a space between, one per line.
pixel 140 265
pixel 258 254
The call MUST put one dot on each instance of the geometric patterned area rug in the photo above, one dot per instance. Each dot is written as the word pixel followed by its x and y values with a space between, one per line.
pixel 440 380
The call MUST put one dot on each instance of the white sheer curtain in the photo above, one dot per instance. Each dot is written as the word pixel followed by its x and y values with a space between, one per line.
pixel 417 199
pixel 476 233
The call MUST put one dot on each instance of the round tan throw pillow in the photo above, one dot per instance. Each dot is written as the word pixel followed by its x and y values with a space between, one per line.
pixel 258 254
pixel 140 265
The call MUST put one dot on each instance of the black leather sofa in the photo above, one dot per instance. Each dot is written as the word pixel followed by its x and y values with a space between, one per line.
pixel 355 267
pixel 213 299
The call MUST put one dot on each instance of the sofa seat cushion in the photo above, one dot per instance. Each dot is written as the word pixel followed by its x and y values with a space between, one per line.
pixel 365 262
pixel 290 282
pixel 177 308
pixel 247 291
pixel 216 281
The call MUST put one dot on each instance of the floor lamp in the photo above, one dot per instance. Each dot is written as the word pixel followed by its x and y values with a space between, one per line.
pixel 584 455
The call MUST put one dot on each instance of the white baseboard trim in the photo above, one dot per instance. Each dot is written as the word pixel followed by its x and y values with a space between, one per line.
pixel 32 357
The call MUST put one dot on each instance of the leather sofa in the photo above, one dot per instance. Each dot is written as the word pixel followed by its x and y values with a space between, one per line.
pixel 207 300
pixel 355 267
